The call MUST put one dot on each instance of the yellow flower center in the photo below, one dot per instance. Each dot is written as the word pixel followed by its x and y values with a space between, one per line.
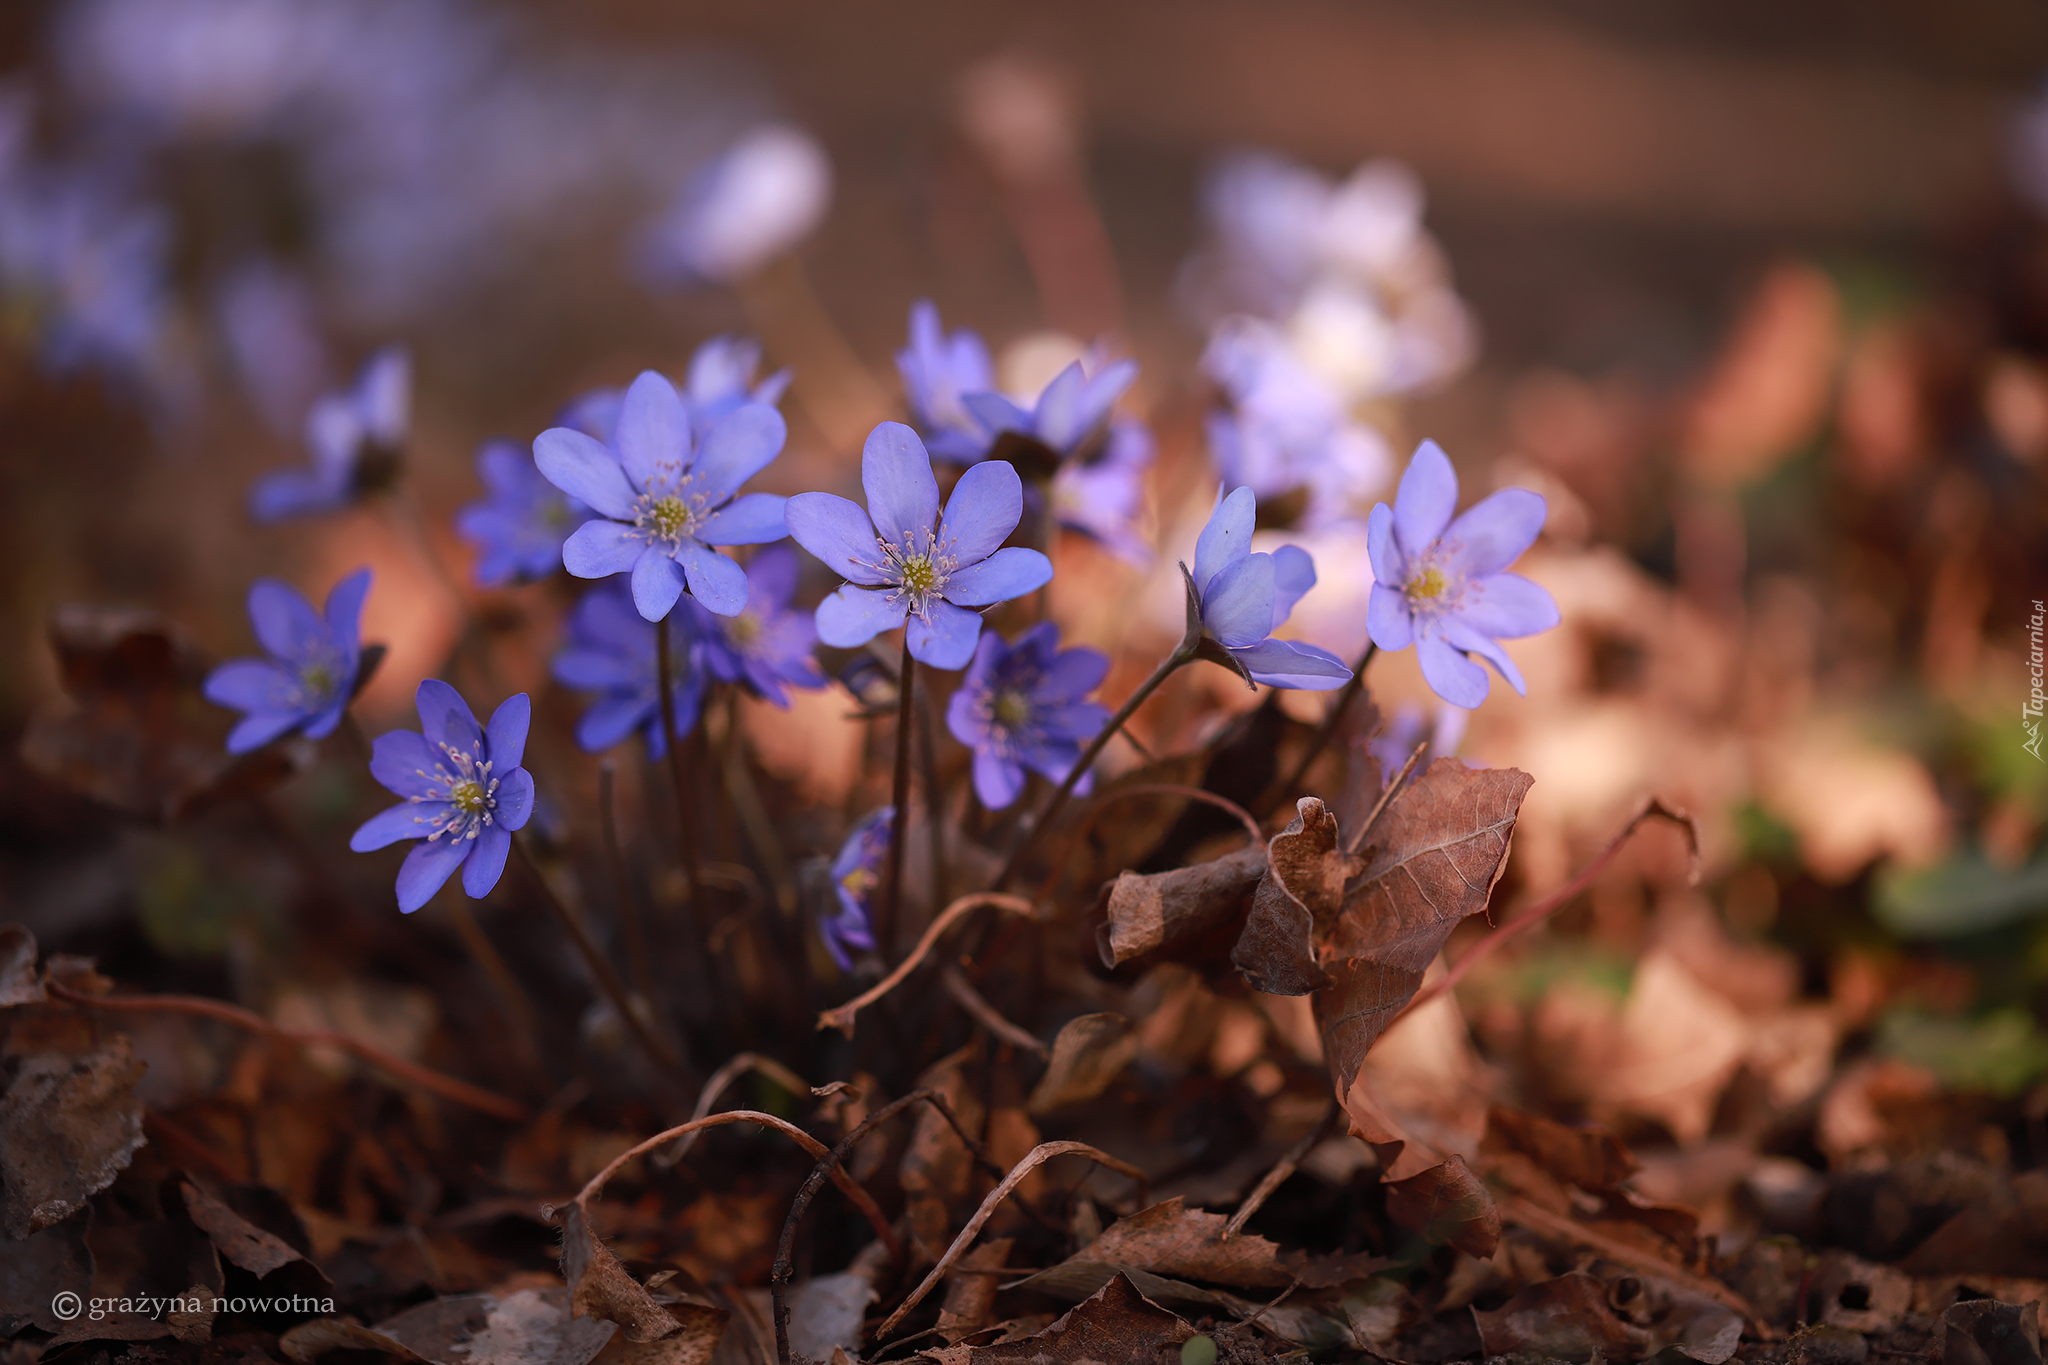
pixel 317 679
pixel 743 629
pixel 1427 586
pixel 1012 709
pixel 468 796
pixel 859 882
pixel 919 574
pixel 669 516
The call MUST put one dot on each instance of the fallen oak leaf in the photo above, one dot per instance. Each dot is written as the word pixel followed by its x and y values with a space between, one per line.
pixel 1542 1221
pixel 1568 1317
pixel 1174 1240
pixel 600 1286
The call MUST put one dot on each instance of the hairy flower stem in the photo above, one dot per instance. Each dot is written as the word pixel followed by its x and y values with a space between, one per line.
pixel 630 927
pixel 686 814
pixel 1334 717
pixel 658 1051
pixel 1182 654
pixel 892 898
pixel 518 1006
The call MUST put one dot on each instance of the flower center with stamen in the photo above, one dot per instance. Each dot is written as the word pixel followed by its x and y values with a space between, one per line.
pixel 743 629
pixel 1011 709
pixel 920 575
pixel 859 882
pixel 668 518
pixel 462 785
pixel 1428 587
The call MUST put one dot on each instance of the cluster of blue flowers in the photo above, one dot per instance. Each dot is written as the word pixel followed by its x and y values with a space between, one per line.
pixel 644 489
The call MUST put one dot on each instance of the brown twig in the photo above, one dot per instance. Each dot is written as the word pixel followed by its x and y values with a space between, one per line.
pixel 1283 1168
pixel 967 998
pixel 447 1087
pixel 835 1160
pixel 862 1200
pixel 1036 1157
pixel 1531 914
pixel 1386 797
pixel 725 1076
pixel 1331 720
pixel 1222 803
pixel 842 1017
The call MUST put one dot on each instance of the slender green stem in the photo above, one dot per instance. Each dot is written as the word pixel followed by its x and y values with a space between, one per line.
pixel 672 743
pixel 892 900
pixel 1183 653
pixel 601 970
pixel 1331 720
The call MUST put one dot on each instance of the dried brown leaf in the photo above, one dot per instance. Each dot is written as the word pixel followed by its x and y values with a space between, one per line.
pixel 235 1237
pixel 1447 1203
pixel 971 1290
pixel 134 732
pixel 34 1271
pixel 1568 1317
pixel 1116 1324
pixel 1296 904
pixel 68 1125
pixel 1155 911
pixel 1174 1240
pixel 1591 1158
pixel 315 1338
pixel 18 982
pixel 599 1286
pixel 1986 1332
pixel 1087 1054
pixel 937 1169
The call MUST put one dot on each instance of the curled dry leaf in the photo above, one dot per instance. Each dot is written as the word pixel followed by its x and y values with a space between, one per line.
pixel 1447 1203
pixel 1296 904
pixel 310 1340
pixel 1087 1054
pixel 68 1125
pixel 599 1286
pixel 1154 912
pixel 18 983
pixel 1591 1158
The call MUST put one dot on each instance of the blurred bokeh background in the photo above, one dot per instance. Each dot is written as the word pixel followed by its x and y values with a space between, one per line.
pixel 1755 294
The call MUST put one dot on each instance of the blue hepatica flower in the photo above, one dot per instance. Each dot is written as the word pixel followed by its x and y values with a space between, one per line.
pixel 1242 597
pixel 768 646
pixel 1020 707
pixel 1442 585
pixel 665 493
pixel 519 526
pixel 721 378
pixel 938 372
pixel 1408 727
pixel 1070 412
pixel 909 566
pixel 355 438
pixel 464 793
pixel 1104 497
pixel 612 652
pixel 856 876
pixel 307 681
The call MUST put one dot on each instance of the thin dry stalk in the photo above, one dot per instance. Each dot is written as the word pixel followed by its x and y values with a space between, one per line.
pixel 842 1017
pixel 1033 1159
